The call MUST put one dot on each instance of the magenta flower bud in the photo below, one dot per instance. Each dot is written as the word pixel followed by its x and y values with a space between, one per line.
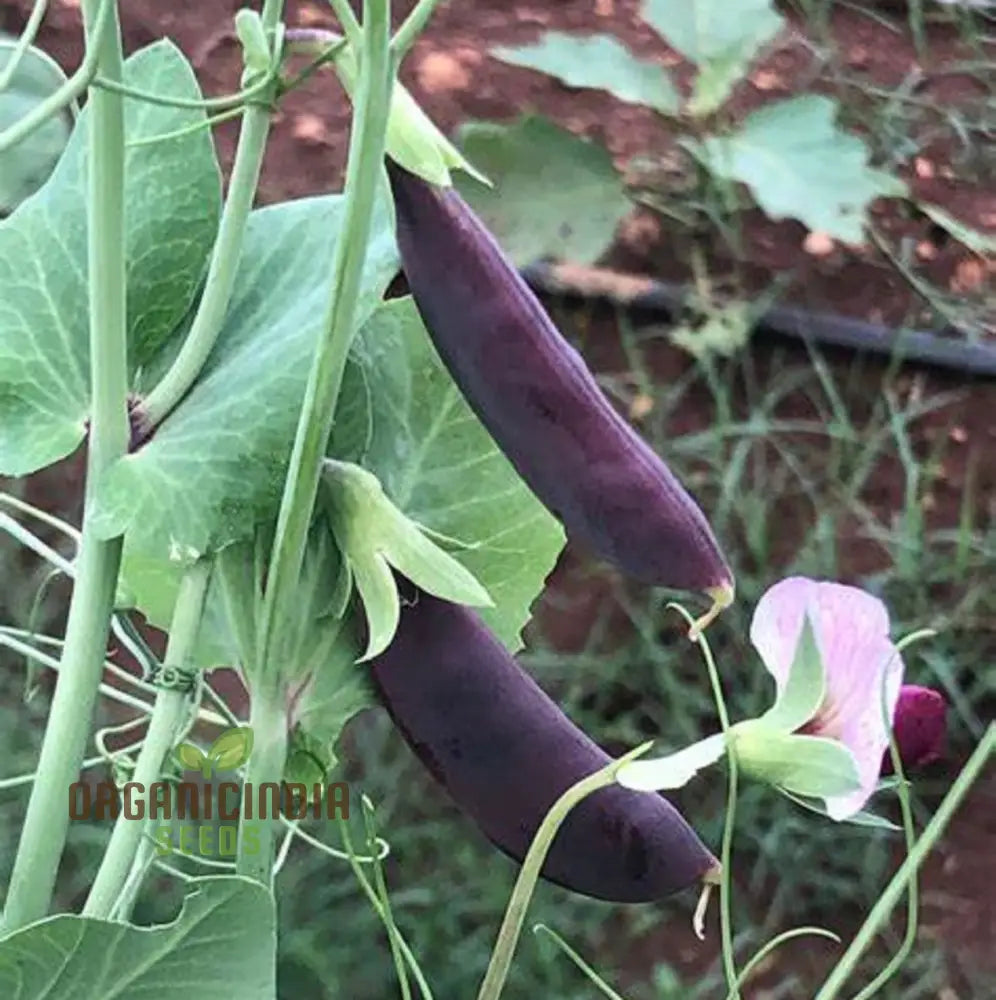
pixel 919 727
pixel 541 404
pixel 505 752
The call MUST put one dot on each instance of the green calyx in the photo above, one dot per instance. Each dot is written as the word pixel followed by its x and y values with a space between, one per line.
pixel 375 538
pixel 413 141
pixel 811 766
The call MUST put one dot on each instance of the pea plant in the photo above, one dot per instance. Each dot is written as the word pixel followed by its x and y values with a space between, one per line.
pixel 792 158
pixel 354 499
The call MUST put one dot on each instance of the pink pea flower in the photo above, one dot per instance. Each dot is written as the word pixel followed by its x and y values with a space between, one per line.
pixel 860 662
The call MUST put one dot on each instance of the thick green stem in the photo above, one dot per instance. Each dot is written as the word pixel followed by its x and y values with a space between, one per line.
pixel 225 257
pixel 363 176
pixel 525 884
pixel 894 890
pixel 268 721
pixel 167 716
pixel 46 823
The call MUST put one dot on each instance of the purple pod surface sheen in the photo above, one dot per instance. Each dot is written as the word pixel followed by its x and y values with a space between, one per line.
pixel 541 404
pixel 505 752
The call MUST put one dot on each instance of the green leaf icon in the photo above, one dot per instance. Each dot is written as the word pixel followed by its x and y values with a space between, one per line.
pixel 189 757
pixel 230 750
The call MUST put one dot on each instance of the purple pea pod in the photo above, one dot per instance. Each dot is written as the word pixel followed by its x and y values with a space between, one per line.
pixel 505 752
pixel 539 401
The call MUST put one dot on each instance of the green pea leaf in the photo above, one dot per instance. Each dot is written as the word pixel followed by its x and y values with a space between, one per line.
pixel 27 165
pixel 309 759
pixel 799 164
pixel 720 41
pixel 542 174
pixel 172 194
pixel 440 467
pixel 221 944
pixel 600 62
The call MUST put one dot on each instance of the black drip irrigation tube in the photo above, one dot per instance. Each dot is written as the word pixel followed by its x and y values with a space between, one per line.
pixel 946 348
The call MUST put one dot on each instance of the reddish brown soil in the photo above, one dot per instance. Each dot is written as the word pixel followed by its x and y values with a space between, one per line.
pixel 451 73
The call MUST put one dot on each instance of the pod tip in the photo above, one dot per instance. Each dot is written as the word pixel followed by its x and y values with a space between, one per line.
pixel 710 880
pixel 722 597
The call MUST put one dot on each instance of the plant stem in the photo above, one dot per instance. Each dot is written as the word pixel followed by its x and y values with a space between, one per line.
pixel 412 27
pixel 24 42
pixel 226 253
pixel 46 823
pixel 363 175
pixel 99 26
pixel 515 913
pixel 726 852
pixel 890 897
pixel 268 722
pixel 167 716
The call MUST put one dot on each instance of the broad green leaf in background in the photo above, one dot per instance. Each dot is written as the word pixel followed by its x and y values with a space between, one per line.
pixel 721 39
pixel 172 200
pixel 981 243
pixel 799 164
pixel 439 465
pixel 600 62
pixel 555 195
pixel 215 467
pixel 26 166
pixel 222 945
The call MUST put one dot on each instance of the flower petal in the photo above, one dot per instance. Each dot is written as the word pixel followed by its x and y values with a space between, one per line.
pixel 852 634
pixel 854 714
pixel 777 623
pixel 919 727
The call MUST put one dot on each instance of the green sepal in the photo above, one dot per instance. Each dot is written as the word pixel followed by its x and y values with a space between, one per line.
pixel 805 688
pixel 412 140
pixel 376 538
pixel 862 818
pixel 813 766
